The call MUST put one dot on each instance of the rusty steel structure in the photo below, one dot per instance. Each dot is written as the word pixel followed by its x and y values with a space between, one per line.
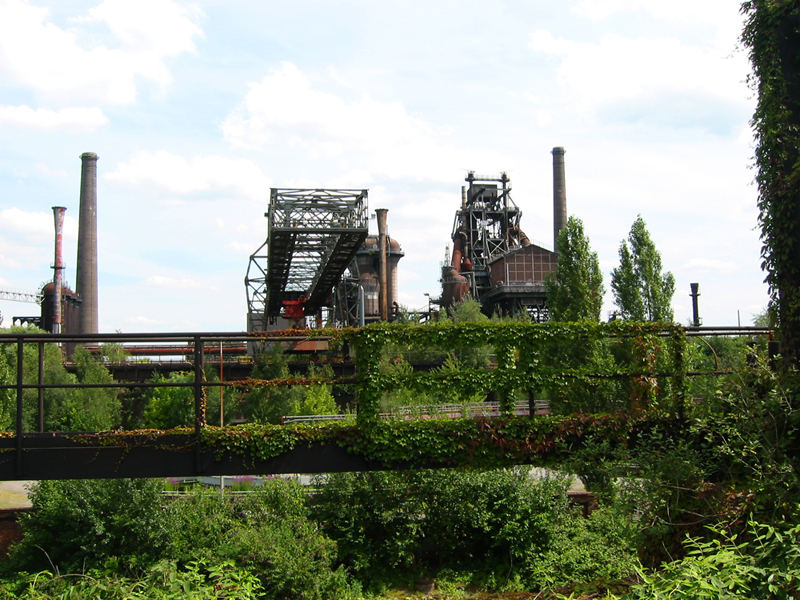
pixel 312 236
pixel 492 259
pixel 58 267
pixel 358 295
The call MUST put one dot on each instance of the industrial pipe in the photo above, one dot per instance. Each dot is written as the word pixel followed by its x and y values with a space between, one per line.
pixel 559 194
pixel 382 272
pixel 58 267
pixel 695 287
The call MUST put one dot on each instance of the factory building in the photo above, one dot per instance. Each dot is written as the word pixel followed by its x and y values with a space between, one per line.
pixel 492 259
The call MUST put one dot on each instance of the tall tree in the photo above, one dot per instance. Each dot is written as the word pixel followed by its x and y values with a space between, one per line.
pixel 641 291
pixel 772 35
pixel 575 290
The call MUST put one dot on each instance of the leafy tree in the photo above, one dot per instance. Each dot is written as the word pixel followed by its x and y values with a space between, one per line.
pixel 772 35
pixel 91 409
pixel 641 291
pixel 169 407
pixel 64 409
pixel 316 399
pixel 575 291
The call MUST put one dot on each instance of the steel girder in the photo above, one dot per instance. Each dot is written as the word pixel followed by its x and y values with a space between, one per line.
pixel 312 235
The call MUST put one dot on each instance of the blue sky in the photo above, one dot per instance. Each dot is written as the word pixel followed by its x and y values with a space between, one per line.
pixel 196 109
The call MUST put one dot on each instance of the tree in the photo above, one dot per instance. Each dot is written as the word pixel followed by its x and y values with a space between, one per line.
pixel 170 406
pixel 90 409
pixel 575 290
pixel 772 35
pixel 641 291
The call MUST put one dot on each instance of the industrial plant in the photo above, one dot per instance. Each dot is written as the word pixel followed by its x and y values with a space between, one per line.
pixel 319 265
pixel 493 260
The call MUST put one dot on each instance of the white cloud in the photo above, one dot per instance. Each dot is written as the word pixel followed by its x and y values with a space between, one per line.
pixel 710 265
pixel 622 68
pixel 58 63
pixel 178 283
pixel 142 320
pixel 157 27
pixel 714 13
pixel 34 224
pixel 284 110
pixel 76 118
pixel 180 175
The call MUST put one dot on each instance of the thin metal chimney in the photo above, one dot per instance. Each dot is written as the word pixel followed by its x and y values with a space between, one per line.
pixel 695 288
pixel 58 267
pixel 559 194
pixel 86 278
pixel 383 269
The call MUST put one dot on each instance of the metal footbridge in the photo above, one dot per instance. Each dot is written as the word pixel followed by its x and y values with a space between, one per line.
pixel 312 236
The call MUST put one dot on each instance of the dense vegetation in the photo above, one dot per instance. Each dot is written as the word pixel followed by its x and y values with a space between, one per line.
pixel 772 36
pixel 725 473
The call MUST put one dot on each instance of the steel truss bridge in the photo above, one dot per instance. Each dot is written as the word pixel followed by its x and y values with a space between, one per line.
pixel 41 454
pixel 312 235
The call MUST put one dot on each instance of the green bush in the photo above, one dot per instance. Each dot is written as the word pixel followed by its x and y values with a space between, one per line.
pixel 80 524
pixel 761 562
pixel 499 526
pixel 268 533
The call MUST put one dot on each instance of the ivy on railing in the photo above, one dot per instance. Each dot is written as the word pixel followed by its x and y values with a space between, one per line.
pixel 528 356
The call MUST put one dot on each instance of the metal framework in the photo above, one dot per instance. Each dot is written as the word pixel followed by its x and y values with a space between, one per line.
pixel 489 222
pixel 21 297
pixel 312 235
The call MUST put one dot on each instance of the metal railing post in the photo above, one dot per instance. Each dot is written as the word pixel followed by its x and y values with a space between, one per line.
pixel 199 400
pixel 20 363
pixel 40 389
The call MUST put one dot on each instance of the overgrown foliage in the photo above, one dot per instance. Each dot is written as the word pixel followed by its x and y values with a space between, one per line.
pixel 504 527
pixel 524 356
pixel 760 561
pixel 772 36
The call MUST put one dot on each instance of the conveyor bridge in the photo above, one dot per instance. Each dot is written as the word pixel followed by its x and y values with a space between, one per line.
pixel 312 236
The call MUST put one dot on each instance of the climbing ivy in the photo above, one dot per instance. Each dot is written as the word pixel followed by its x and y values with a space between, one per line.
pixel 772 36
pixel 524 358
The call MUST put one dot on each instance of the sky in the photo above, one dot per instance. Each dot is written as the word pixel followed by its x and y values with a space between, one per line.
pixel 196 109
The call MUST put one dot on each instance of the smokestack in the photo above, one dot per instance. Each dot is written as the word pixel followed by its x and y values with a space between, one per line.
pixel 559 194
pixel 695 287
pixel 384 282
pixel 463 197
pixel 86 278
pixel 58 267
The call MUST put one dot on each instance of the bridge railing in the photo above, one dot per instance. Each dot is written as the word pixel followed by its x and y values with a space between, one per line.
pixel 574 367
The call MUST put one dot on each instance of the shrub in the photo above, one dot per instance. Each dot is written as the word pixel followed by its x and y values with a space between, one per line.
pixel 268 533
pixel 500 526
pixel 79 524
pixel 761 562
